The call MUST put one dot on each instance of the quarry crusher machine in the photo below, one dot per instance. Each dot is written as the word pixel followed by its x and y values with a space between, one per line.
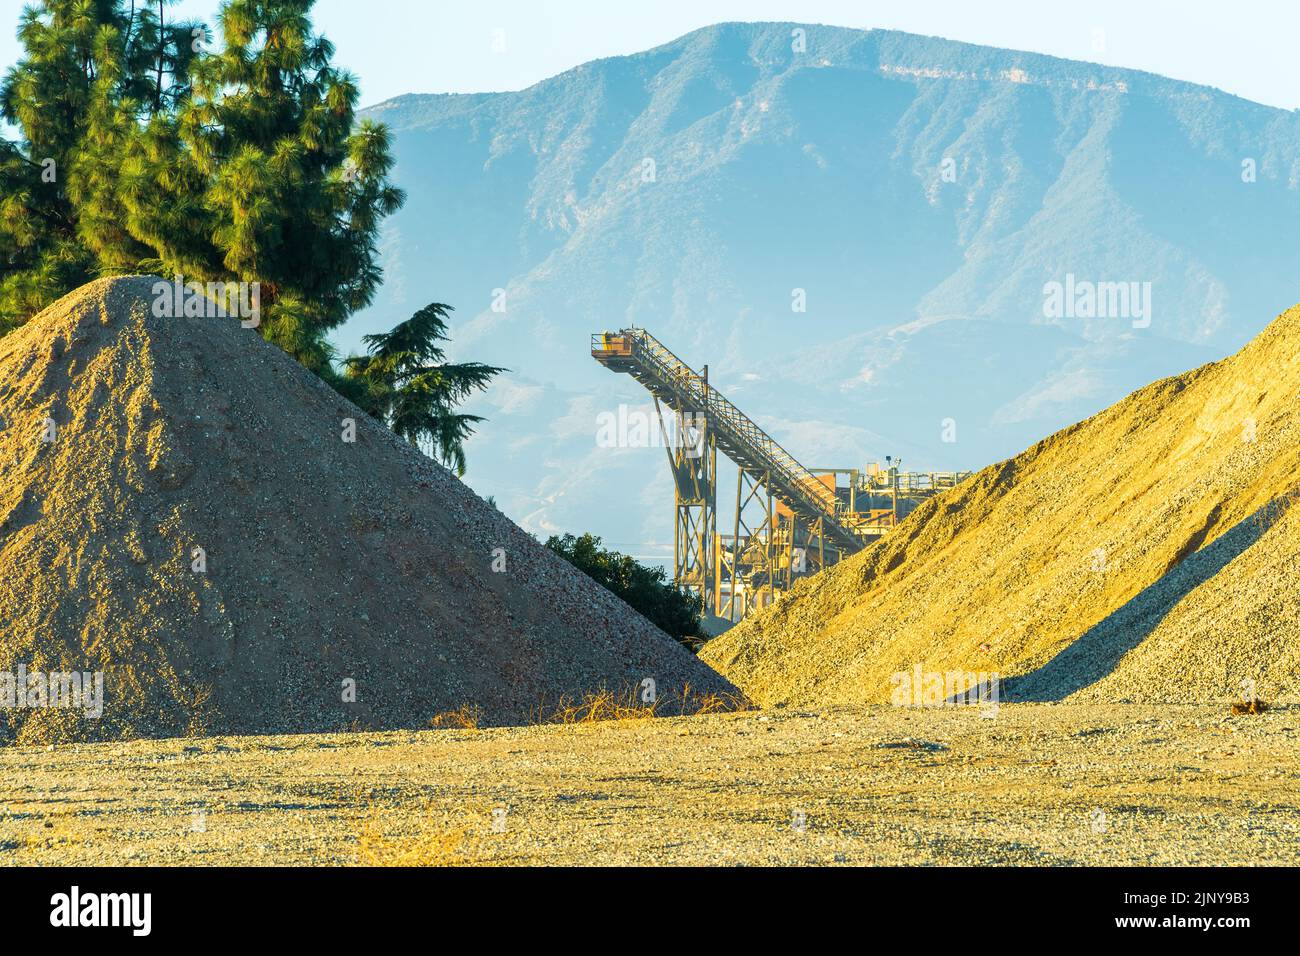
pixel 789 521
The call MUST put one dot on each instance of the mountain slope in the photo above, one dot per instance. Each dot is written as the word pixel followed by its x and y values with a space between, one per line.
pixel 1149 553
pixel 824 171
pixel 311 584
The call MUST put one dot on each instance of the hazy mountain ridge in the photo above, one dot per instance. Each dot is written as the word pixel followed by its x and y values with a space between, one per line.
pixel 774 171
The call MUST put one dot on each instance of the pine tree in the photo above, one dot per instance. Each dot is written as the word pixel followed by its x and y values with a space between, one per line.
pixel 406 382
pixel 244 164
pixel 46 95
pixel 91 69
pixel 271 179
pixel 143 73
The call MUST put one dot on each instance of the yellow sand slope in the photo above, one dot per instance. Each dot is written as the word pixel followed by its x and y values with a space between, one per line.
pixel 1150 553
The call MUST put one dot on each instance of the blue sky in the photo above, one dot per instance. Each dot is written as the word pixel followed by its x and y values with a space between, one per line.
pixel 436 46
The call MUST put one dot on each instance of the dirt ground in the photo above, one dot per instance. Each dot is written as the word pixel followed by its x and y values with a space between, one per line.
pixel 1027 784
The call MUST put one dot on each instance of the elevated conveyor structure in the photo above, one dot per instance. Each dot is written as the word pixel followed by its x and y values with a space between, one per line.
pixel 789 520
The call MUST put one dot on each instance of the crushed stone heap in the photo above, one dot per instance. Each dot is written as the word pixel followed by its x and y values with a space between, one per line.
pixel 1150 553
pixel 128 441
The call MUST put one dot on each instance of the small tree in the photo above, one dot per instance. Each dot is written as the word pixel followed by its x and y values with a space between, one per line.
pixel 406 382
pixel 648 591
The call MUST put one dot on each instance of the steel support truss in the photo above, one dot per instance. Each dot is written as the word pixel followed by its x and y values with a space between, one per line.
pixel 693 462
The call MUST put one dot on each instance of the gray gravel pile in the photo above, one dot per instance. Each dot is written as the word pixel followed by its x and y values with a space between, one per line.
pixel 340 585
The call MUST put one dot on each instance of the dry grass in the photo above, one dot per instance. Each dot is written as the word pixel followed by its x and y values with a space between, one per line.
pixel 54 833
pixel 715 703
pixel 631 705
pixel 465 717
pixel 431 847
pixel 602 705
pixel 390 834
pixel 605 705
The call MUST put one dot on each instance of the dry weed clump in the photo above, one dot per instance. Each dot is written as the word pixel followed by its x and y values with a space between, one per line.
pixel 633 704
pixel 721 703
pixel 430 847
pixel 602 705
pixel 439 837
pixel 465 717
pixel 630 704
pixel 1252 706
pixel 54 834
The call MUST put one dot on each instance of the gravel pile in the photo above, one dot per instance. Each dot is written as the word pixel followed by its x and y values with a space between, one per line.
pixel 1150 553
pixel 340 585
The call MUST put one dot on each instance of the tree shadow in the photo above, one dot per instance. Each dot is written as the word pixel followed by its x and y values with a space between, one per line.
pixel 1095 654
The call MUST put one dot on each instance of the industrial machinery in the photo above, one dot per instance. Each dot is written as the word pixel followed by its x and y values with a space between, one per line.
pixel 789 521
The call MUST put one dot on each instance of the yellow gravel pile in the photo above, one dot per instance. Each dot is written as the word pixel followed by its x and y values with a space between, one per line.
pixel 1150 553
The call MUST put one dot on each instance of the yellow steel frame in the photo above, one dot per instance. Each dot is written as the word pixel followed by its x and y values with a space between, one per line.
pixel 693 462
pixel 760 564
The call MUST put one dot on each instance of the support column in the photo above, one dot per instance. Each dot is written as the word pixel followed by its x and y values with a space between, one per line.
pixel 693 461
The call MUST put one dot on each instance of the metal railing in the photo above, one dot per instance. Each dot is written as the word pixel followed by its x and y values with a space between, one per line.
pixel 738 436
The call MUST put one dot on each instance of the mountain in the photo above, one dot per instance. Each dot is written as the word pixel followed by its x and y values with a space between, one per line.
pixel 1150 553
pixel 923 194
pixel 193 516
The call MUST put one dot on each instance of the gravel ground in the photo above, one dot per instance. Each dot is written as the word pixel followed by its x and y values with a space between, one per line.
pixel 1037 784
